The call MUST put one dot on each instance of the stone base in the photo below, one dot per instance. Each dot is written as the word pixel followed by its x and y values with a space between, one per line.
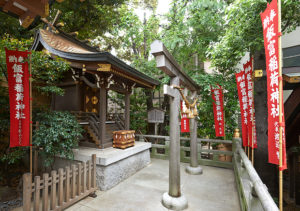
pixel 110 175
pixel 112 165
pixel 174 203
pixel 193 170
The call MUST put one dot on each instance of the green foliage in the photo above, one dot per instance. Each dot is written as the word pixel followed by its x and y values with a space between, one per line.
pixel 10 25
pixel 46 71
pixel 7 155
pixel 131 38
pixel 89 18
pixel 193 25
pixel 138 116
pixel 12 155
pixel 58 134
pixel 205 107
pixel 243 30
pixel 4 114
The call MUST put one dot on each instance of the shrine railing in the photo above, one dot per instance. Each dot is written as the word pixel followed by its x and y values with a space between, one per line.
pixel 212 152
pixel 253 194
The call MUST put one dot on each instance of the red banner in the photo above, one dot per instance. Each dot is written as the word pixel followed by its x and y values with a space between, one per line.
pixel 218 106
pixel 185 122
pixel 185 125
pixel 249 89
pixel 242 92
pixel 18 85
pixel 269 20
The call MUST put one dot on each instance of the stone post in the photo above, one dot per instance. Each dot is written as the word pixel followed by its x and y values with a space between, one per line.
pixel 174 199
pixel 236 138
pixel 193 168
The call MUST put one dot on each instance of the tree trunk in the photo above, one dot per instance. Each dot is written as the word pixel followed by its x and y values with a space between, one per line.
pixel 267 172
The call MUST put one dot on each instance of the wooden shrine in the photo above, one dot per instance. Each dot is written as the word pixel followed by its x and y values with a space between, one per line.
pixel 92 74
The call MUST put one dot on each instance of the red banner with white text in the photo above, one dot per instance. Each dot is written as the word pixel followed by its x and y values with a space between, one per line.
pixel 218 106
pixel 18 86
pixel 243 99
pixel 185 121
pixel 249 89
pixel 269 20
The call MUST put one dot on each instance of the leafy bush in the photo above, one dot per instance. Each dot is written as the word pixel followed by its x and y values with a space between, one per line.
pixel 46 71
pixel 58 134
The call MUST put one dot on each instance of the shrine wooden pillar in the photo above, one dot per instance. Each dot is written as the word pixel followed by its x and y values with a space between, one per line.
pixel 127 111
pixel 102 115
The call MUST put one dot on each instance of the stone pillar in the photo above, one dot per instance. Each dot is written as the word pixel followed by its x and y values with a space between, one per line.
pixel 193 168
pixel 102 116
pixel 127 111
pixel 174 199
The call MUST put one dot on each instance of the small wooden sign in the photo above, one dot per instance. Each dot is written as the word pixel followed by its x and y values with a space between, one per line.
pixel 156 115
pixel 104 67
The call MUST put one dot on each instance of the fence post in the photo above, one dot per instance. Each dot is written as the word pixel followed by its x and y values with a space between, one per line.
pixel 153 152
pixel 167 148
pixel 236 138
pixel 199 145
pixel 79 179
pixel 89 168
pixel 94 171
pixel 37 181
pixel 73 181
pixel 215 157
pixel 60 186
pixel 182 154
pixel 67 183
pixel 27 186
pixel 45 191
pixel 84 177
pixel 141 138
pixel 53 191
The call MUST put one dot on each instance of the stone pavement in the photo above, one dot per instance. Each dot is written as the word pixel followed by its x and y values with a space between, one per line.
pixel 214 190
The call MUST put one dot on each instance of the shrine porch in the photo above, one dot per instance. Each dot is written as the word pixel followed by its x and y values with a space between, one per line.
pixel 214 190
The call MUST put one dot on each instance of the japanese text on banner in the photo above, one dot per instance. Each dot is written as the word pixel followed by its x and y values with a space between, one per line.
pixel 185 122
pixel 218 107
pixel 18 83
pixel 249 90
pixel 270 29
pixel 243 98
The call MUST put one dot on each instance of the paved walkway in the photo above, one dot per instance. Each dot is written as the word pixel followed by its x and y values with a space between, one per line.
pixel 214 190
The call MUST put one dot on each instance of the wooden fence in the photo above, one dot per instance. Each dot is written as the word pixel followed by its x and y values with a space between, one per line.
pixel 66 187
pixel 209 157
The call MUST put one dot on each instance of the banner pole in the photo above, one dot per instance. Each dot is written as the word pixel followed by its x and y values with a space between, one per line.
pixel 248 147
pixel 30 101
pixel 252 113
pixel 224 114
pixel 280 108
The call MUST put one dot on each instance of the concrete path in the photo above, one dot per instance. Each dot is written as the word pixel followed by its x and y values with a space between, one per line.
pixel 214 190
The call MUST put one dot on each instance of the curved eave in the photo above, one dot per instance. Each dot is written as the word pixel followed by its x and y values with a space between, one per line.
pixel 94 57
